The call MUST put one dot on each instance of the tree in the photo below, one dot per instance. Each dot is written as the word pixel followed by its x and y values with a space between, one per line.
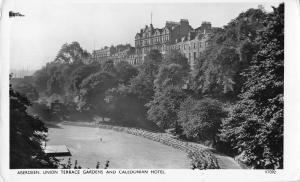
pixel 108 66
pixel 151 64
pixel 165 105
pixel 25 88
pixel 41 78
pixel 80 73
pixel 201 119
pixel 172 74
pixel 217 72
pixel 124 106
pixel 55 84
pixel 26 136
pixel 70 53
pixel 127 101
pixel 92 92
pixel 255 124
pixel 143 84
pixel 176 57
pixel 125 72
pixel 169 81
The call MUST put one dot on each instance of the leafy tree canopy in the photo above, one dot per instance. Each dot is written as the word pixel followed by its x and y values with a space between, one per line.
pixel 125 72
pixel 217 71
pixel 201 119
pixel 255 125
pixel 70 53
pixel 164 107
pixel 26 136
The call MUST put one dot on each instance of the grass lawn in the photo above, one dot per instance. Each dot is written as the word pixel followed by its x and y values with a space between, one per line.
pixel 121 149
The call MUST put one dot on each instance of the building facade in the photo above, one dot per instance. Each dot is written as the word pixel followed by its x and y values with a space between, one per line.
pixel 101 55
pixel 192 46
pixel 116 54
pixel 174 36
pixel 122 55
pixel 154 38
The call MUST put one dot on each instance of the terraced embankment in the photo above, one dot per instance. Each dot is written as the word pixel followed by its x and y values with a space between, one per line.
pixel 202 156
pixel 90 145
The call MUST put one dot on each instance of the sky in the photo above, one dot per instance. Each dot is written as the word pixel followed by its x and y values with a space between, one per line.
pixel 36 38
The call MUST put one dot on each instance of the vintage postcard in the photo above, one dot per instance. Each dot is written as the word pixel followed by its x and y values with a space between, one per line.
pixel 149 91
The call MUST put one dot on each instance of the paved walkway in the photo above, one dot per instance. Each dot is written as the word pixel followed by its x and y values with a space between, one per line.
pixel 226 162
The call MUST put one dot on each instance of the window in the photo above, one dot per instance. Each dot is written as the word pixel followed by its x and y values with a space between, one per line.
pixel 194 55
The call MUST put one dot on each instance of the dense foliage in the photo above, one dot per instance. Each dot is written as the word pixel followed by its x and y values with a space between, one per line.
pixel 201 119
pixel 25 87
pixel 26 136
pixel 92 91
pixel 255 124
pixel 164 107
pixel 217 72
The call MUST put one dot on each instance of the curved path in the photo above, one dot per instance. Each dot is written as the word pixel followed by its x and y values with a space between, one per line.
pixel 226 162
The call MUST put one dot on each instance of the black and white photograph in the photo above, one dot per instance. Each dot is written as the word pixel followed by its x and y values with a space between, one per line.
pixel 195 86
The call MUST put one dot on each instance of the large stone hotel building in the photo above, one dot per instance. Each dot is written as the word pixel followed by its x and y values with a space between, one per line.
pixel 173 36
